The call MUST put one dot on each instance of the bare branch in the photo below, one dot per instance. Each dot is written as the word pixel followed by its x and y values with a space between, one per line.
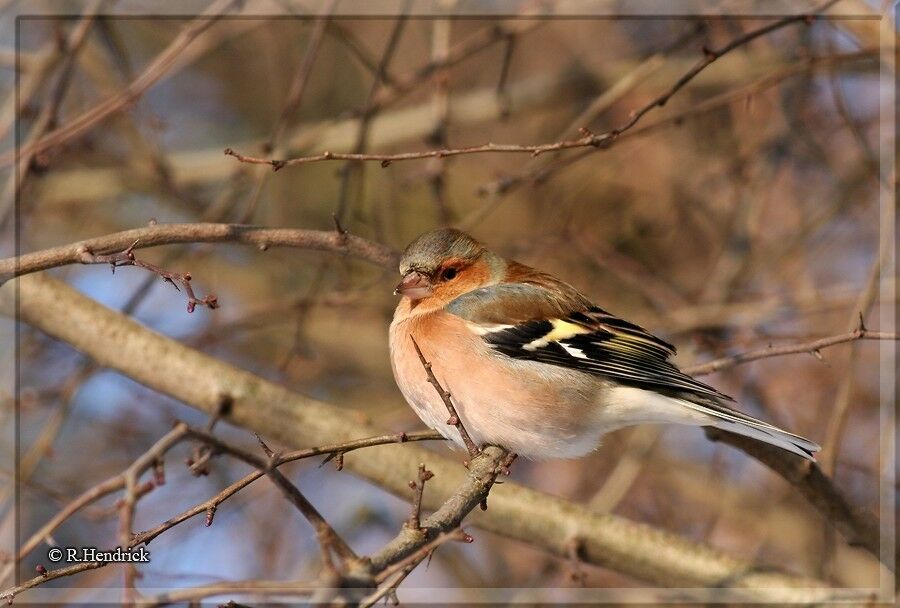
pixel 418 487
pixel 859 527
pixel 454 419
pixel 167 234
pixel 298 85
pixel 544 521
pixel 589 140
pixel 812 347
pixel 126 257
pixel 209 506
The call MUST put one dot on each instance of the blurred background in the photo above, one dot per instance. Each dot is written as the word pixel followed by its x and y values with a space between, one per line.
pixel 743 213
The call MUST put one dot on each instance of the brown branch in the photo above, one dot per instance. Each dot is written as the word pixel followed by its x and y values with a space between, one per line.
pixel 454 419
pixel 126 257
pixel 47 576
pixel 418 487
pixel 541 174
pixel 589 140
pixel 298 85
pixel 328 538
pixel 294 98
pixel 409 562
pixel 477 42
pixel 49 113
pixel 126 480
pixel 436 168
pixel 391 577
pixel 152 459
pixel 861 307
pixel 254 587
pixel 859 527
pixel 483 471
pixel 638 550
pixel 508 49
pixel 812 347
pixel 386 159
pixel 167 234
pixel 353 44
pixel 277 459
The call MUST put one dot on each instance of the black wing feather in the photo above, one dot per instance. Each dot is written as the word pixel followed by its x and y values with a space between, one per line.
pixel 608 346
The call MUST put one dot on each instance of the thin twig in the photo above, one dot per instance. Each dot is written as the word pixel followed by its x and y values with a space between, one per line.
pixel 541 174
pixel 276 460
pixel 812 347
pixel 328 538
pixel 49 113
pixel 436 167
pixel 298 85
pixel 254 587
pixel 294 98
pixel 418 487
pixel 125 480
pixel 391 577
pixel 362 133
pixel 454 419
pixel 126 257
pixel 477 42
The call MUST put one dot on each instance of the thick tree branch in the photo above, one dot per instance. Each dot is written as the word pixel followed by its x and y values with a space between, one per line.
pixel 635 549
pixel 859 527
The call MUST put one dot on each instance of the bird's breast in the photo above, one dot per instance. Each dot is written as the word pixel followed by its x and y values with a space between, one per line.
pixel 534 409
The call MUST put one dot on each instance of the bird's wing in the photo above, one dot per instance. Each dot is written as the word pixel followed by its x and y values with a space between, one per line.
pixel 560 327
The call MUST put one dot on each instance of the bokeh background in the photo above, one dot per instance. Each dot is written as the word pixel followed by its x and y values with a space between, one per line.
pixel 743 213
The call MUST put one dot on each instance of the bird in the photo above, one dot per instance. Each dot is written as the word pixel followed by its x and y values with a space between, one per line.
pixel 534 366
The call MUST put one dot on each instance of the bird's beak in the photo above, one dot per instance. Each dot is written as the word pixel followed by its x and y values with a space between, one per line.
pixel 415 286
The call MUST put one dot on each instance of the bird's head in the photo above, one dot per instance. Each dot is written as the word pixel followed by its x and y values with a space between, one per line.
pixel 443 264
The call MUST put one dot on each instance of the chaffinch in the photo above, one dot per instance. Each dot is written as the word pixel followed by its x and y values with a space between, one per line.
pixel 533 366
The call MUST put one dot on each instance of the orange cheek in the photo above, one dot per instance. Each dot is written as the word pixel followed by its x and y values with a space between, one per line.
pixel 469 278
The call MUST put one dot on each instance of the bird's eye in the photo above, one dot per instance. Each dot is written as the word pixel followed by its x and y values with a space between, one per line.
pixel 449 274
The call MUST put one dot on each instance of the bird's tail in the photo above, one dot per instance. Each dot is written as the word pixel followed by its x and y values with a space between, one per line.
pixel 737 422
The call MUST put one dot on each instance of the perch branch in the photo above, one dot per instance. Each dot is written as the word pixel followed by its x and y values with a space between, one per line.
pixel 634 549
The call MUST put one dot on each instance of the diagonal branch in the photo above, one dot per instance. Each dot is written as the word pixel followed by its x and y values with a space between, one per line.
pixel 858 526
pixel 454 419
pixel 544 521
pixel 151 74
pixel 126 257
pixel 328 538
